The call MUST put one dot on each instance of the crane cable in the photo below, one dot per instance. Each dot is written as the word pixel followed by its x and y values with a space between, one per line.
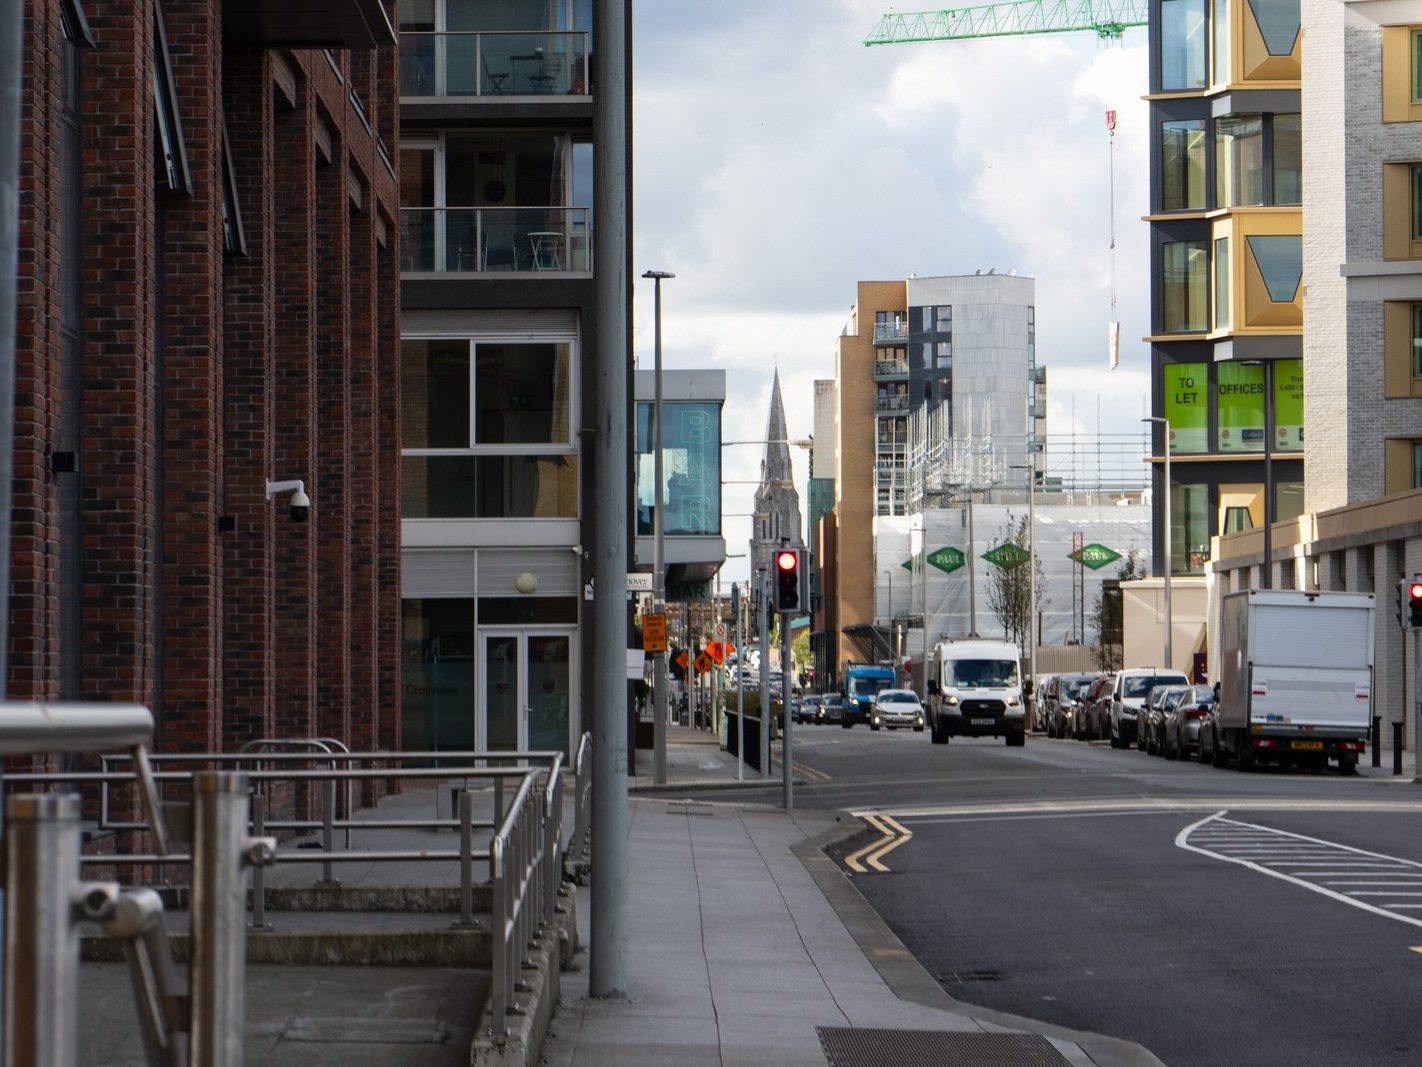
pixel 1113 337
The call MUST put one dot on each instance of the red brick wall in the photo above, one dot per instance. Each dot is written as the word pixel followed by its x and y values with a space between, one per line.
pixel 280 363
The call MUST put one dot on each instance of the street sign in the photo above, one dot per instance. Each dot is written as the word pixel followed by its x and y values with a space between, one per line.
pixel 1094 556
pixel 654 633
pixel 704 663
pixel 947 559
pixel 721 632
pixel 638 582
pixel 1006 555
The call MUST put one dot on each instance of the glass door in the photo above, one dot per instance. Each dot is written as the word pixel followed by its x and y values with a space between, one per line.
pixel 526 697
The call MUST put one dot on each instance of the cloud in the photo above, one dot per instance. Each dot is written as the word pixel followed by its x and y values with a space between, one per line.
pixel 778 161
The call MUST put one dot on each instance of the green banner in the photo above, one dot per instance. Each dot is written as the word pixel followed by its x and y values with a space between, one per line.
pixel 1288 404
pixel 947 559
pixel 1094 556
pixel 907 564
pixel 1187 405
pixel 1241 407
pixel 1006 555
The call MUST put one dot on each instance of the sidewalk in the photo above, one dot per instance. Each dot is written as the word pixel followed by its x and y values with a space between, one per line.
pixel 746 943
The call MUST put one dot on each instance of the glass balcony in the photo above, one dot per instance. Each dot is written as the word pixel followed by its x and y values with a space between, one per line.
pixel 893 403
pixel 478 240
pixel 494 64
pixel 886 333
pixel 890 369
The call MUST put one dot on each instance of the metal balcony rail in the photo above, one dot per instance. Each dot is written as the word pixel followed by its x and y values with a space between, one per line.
pixel 495 63
pixel 885 332
pixel 490 240
pixel 893 402
pixel 891 368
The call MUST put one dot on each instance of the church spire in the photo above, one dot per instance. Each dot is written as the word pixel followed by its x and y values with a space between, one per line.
pixel 777 504
pixel 775 466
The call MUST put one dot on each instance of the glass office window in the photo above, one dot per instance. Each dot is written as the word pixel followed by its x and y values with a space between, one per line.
pixel 437 674
pixel 1288 405
pixel 1222 290
pixel 1187 405
pixel 1239 161
pixel 1239 392
pixel 1278 22
pixel 691 468
pixel 1288 158
pixel 521 394
pixel 1189 528
pixel 1185 286
pixel 1220 18
pixel 1280 263
pixel 1182 165
pixel 1182 44
pixel 489 487
pixel 943 318
pixel 435 394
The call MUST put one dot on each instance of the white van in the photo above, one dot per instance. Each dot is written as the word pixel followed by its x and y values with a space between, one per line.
pixel 1128 695
pixel 975 690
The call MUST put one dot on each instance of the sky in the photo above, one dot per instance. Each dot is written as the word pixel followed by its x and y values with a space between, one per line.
pixel 777 161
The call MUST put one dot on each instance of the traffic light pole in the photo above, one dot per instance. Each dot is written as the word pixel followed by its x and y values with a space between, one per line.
pixel 764 617
pixel 787 724
pixel 1417 705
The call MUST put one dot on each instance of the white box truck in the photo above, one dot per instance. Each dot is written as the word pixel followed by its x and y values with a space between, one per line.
pixel 1296 677
pixel 975 690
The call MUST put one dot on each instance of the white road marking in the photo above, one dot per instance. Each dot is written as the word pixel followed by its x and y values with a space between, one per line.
pixel 1208 835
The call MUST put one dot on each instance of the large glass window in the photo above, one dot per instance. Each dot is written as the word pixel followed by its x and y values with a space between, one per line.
pixel 1182 44
pixel 437 672
pixel 1222 290
pixel 1182 165
pixel 1240 405
pixel 1185 286
pixel 1239 161
pixel 476 417
pixel 1278 22
pixel 1280 263
pixel 691 468
pixel 1220 18
pixel 1189 528
pixel 1288 158
pixel 1187 405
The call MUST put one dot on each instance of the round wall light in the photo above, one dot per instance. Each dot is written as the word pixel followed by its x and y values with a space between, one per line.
pixel 526 582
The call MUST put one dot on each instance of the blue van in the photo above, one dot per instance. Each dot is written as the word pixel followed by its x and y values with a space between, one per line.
pixel 862 683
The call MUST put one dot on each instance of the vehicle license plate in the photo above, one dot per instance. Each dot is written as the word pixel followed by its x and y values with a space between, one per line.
pixel 982 722
pixel 1305 744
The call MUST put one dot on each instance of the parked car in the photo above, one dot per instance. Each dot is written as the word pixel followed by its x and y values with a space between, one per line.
pixel 1183 720
pixel 1128 694
pixel 1065 701
pixel 1041 710
pixel 1152 728
pixel 831 708
pixel 809 708
pixel 1093 724
pixel 893 708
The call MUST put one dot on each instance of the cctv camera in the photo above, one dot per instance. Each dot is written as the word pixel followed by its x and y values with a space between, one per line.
pixel 300 506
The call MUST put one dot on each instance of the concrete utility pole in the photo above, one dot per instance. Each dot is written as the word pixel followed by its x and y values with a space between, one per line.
pixel 606 519
pixel 659 542
pixel 787 725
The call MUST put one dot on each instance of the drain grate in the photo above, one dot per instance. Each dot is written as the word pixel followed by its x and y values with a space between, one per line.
pixel 867 1047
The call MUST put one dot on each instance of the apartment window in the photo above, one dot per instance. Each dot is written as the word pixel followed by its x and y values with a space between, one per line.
pixel 943 318
pixel 1417 464
pixel 1415 54
pixel 1402 349
pixel 1182 165
pixel 1402 210
pixel 1416 338
pixel 943 357
pixel 1402 464
pixel 1189 528
pixel 1288 158
pixel 1182 45
pixel 1222 291
pixel 1239 160
pixel 1221 27
pixel 487 430
pixel 1185 286
pixel 1280 263
pixel 1415 179
pixel 1278 22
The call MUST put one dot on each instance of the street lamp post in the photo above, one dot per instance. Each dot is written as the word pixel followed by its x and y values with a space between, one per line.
pixel 1169 659
pixel 1266 577
pixel 659 589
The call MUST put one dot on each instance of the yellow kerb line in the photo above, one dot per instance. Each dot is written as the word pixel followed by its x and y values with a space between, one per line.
pixel 889 846
pixel 852 860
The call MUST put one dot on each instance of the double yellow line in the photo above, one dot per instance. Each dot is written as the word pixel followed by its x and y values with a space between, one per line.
pixel 871 855
pixel 814 774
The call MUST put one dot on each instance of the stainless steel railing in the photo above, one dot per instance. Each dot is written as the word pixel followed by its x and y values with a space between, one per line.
pixel 580 846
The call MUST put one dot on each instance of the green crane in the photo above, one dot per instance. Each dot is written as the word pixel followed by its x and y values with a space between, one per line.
pixel 1108 18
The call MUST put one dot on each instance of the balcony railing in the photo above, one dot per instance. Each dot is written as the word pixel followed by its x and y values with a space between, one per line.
pixel 890 369
pixel 891 403
pixel 493 63
pixel 473 240
pixel 890 332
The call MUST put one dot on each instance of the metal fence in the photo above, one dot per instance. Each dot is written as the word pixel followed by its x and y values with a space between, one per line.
pixel 229 795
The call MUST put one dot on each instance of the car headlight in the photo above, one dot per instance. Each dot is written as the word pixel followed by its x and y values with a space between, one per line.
pixel 951 701
pixel 1012 702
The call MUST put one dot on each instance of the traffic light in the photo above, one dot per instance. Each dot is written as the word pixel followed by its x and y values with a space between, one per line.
pixel 1411 603
pixel 789 580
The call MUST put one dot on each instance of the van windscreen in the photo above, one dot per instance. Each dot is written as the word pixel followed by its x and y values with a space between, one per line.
pixel 980 673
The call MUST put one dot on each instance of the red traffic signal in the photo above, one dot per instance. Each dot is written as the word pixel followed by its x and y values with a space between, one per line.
pixel 1414 603
pixel 789 580
pixel 787 561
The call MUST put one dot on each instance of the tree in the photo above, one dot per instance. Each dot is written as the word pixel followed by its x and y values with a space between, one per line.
pixel 1107 653
pixel 1008 592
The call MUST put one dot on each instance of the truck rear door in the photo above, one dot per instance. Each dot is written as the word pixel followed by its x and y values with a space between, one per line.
pixel 1311 667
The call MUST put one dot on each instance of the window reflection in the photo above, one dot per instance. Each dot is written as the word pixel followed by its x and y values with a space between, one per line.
pixel 1182 44
pixel 691 468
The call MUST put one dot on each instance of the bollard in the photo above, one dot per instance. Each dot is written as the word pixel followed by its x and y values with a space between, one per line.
pixel 1377 740
pixel 41 936
pixel 1397 748
pixel 221 853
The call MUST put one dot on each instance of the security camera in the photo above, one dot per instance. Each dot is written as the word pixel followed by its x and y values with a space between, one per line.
pixel 300 505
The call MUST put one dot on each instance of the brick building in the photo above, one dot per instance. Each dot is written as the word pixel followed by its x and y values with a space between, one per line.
pixel 208 299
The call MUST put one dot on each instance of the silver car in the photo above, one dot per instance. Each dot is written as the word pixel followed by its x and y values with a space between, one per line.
pixel 893 708
pixel 1183 720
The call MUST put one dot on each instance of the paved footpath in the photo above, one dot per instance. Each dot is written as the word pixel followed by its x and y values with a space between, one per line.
pixel 745 940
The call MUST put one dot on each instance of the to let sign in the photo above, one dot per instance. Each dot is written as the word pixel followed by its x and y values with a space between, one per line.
pixel 654 633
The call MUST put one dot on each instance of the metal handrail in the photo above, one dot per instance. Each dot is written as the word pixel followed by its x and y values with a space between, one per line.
pixel 472 63
pixel 513 872
pixel 581 843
